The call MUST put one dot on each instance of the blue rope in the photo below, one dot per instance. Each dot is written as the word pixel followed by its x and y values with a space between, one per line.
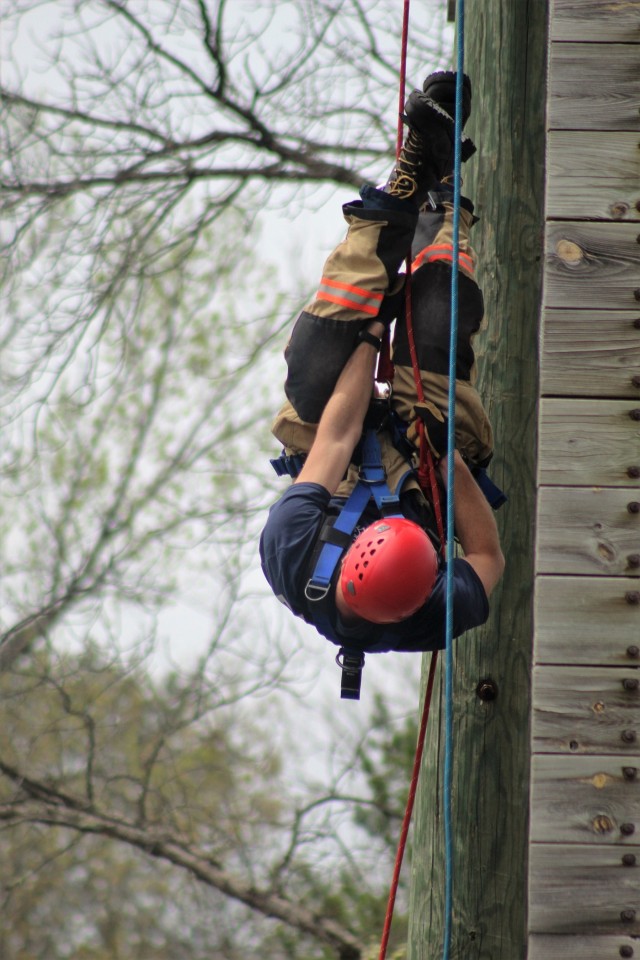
pixel 451 442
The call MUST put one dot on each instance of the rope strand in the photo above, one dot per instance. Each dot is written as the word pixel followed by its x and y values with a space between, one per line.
pixel 453 343
pixel 427 478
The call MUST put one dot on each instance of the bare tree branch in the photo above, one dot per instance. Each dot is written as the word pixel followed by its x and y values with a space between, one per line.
pixel 55 808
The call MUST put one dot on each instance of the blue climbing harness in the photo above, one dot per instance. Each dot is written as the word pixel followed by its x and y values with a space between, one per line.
pixel 337 537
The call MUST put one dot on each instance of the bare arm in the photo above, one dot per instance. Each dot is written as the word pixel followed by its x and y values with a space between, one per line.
pixel 340 426
pixel 475 525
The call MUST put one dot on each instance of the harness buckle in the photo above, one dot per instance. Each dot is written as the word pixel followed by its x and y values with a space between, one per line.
pixel 314 592
pixel 351 663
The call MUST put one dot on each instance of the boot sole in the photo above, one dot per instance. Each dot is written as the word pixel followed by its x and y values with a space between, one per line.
pixel 428 118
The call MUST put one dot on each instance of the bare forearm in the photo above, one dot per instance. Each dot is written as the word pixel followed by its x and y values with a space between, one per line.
pixel 340 426
pixel 346 409
pixel 475 525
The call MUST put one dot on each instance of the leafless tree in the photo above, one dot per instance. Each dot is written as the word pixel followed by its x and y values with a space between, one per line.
pixel 143 144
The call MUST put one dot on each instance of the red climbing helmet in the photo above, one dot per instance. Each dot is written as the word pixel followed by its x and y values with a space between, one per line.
pixel 389 570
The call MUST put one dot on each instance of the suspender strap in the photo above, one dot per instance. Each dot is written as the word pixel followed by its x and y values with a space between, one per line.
pixel 318 585
pixel 371 482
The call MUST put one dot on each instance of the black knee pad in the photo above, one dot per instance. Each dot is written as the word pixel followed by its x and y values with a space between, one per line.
pixel 315 355
pixel 431 319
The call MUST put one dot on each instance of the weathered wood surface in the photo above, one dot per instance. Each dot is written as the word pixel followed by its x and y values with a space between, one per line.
pixel 586 531
pixel 577 198
pixel 582 799
pixel 586 620
pixel 579 710
pixel 506 47
pixel 589 443
pixel 592 265
pixel 600 21
pixel 593 87
pixel 593 175
pixel 580 889
pixel 592 353
pixel 556 947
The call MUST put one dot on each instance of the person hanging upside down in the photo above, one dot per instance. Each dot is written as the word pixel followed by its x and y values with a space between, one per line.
pixel 387 590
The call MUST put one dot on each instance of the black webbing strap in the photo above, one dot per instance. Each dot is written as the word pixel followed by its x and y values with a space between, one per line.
pixel 351 662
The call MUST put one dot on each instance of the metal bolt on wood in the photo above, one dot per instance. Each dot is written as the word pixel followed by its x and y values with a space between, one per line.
pixel 629 773
pixel 633 471
pixel 626 951
pixel 628 736
pixel 634 560
pixel 631 683
pixel 633 652
pixel 629 859
pixel 627 916
pixel 632 597
pixel 627 829
pixel 487 690
pixel 633 506
pixel 635 413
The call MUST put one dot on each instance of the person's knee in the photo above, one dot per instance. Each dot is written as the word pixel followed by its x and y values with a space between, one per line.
pixel 316 353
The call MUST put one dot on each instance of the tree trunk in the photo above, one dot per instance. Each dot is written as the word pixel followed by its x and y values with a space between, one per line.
pixel 506 59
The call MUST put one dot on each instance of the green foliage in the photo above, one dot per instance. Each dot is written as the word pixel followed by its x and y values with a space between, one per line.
pixel 142 331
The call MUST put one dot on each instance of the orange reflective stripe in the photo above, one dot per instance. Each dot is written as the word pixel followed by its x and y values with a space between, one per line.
pixel 341 301
pixel 443 251
pixel 348 295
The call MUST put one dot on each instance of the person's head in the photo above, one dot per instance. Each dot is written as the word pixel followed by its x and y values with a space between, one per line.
pixel 388 572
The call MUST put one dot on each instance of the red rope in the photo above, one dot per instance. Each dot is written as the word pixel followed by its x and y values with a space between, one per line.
pixel 403 74
pixel 385 364
pixel 409 809
pixel 428 482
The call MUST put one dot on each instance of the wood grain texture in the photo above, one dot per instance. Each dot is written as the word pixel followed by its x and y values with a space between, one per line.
pixel 584 96
pixel 593 175
pixel 582 889
pixel 579 710
pixel 589 442
pixel 592 265
pixel 556 947
pixel 506 57
pixel 585 531
pixel 586 620
pixel 590 353
pixel 582 799
pixel 598 21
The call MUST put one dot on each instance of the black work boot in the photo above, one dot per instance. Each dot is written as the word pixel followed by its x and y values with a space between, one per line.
pixel 427 154
pixel 441 87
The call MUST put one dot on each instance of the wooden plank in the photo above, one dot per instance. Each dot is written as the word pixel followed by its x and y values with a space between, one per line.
pixel 544 946
pixel 592 265
pixel 583 95
pixel 582 799
pixel 578 710
pixel 589 442
pixel 576 199
pixel 582 889
pixel 599 21
pixel 584 531
pixel 594 353
pixel 586 620
pixel 593 175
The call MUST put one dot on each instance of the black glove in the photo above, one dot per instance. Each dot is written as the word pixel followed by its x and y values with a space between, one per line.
pixel 392 305
pixel 436 427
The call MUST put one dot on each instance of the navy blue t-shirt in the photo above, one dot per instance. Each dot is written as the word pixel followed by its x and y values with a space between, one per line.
pixel 286 548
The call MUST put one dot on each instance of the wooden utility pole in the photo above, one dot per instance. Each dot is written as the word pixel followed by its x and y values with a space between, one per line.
pixel 505 56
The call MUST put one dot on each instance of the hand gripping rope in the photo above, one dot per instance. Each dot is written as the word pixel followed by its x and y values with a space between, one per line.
pixel 426 475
